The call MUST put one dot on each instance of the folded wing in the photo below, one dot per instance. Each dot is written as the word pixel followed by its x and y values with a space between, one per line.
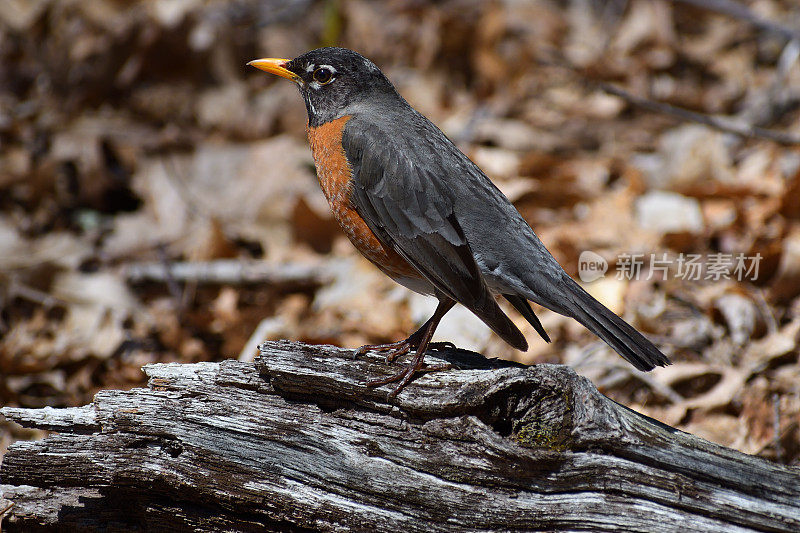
pixel 406 208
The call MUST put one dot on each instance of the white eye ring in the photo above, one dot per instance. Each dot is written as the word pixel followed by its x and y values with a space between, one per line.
pixel 323 74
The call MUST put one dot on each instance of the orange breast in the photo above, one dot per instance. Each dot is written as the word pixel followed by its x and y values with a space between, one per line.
pixel 335 178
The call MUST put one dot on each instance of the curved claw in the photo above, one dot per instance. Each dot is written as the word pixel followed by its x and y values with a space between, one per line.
pixel 405 376
pixel 395 349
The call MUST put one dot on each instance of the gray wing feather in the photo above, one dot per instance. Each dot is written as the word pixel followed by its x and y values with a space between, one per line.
pixel 405 207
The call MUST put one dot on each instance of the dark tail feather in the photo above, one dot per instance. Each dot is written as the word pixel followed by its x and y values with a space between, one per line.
pixel 524 308
pixel 494 317
pixel 503 326
pixel 617 333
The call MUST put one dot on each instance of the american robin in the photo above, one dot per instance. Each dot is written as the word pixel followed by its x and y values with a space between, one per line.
pixel 427 216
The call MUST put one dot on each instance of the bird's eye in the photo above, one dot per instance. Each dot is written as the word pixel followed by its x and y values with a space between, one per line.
pixel 323 75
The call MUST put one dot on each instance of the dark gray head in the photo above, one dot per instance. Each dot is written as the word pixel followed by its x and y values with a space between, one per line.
pixel 333 81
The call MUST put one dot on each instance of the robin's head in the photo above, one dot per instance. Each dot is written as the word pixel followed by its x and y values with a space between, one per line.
pixel 333 81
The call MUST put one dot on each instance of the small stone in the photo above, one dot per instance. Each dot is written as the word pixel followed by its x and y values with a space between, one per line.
pixel 668 212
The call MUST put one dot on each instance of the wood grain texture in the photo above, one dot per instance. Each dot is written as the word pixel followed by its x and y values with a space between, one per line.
pixel 296 441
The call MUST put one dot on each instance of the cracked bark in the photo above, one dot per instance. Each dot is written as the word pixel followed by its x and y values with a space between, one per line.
pixel 296 441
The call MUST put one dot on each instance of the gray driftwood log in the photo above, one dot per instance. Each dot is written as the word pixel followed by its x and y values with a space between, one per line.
pixel 297 442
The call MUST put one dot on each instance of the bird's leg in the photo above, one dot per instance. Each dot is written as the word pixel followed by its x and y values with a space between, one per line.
pixel 416 364
pixel 396 349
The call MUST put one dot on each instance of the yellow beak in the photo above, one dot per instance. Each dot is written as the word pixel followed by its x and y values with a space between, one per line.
pixel 274 66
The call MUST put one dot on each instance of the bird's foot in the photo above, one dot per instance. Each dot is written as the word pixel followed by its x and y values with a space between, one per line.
pixel 405 375
pixel 396 349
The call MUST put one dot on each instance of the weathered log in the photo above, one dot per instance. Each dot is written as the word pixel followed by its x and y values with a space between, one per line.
pixel 296 441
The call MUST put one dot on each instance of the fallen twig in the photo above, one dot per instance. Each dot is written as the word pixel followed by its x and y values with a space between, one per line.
pixel 742 12
pixel 229 272
pixel 726 124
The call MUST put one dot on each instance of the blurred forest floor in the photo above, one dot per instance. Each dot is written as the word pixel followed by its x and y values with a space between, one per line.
pixel 158 200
